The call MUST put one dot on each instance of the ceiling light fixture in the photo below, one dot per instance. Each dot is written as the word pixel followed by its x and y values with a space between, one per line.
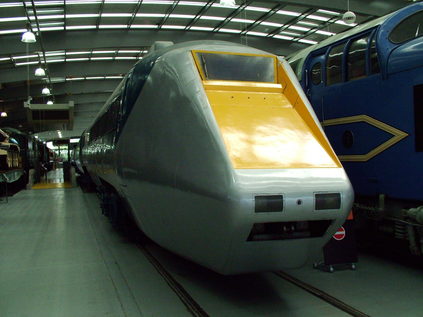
pixel 45 91
pixel 39 72
pixel 49 102
pixel 3 114
pixel 227 3
pixel 28 37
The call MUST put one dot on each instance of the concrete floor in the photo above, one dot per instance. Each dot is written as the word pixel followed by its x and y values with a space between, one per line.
pixel 60 257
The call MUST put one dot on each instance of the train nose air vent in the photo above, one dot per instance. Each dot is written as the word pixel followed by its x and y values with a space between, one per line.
pixel 327 201
pixel 288 230
pixel 272 203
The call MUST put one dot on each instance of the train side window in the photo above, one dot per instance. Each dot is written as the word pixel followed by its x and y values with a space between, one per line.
pixel 334 65
pixel 408 29
pixel 374 60
pixel 316 73
pixel 357 58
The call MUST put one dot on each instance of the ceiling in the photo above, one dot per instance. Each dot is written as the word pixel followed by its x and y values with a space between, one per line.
pixel 86 46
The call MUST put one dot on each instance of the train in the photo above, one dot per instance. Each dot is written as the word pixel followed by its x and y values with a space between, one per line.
pixel 366 87
pixel 21 153
pixel 220 158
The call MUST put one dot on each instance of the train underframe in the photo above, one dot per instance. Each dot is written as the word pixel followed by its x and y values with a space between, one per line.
pixel 381 217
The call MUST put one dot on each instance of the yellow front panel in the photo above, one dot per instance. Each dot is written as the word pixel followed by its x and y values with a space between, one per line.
pixel 262 130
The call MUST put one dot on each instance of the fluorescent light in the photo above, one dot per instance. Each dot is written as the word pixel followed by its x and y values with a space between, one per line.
pixel 4 59
pixel 129 51
pixel 55 60
pixel 24 56
pixel 26 63
pixel 53 28
pixel 299 28
pixel 290 13
pixel 201 28
pixel 181 16
pixel 12 19
pixel 229 31
pixel 340 22
pixel 317 17
pixel 113 77
pixel 94 77
pixel 242 21
pixel 10 5
pixel 173 27
pixel 307 41
pixel 76 140
pixel 80 27
pixel 113 26
pixel 116 15
pixel 12 31
pixel 257 9
pixel 125 57
pixel 77 59
pixel 77 53
pixel 257 33
pixel 276 25
pixel 283 37
pixel 104 52
pixel 328 12
pixel 227 3
pixel 144 26
pixel 150 15
pixel 325 33
pixel 76 16
pixel 211 18
pixel 74 78
pixel 101 58
pixel 52 53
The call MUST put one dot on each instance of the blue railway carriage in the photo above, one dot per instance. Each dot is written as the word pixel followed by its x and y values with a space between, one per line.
pixel 366 87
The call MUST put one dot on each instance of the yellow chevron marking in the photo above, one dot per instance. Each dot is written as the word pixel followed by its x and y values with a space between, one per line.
pixel 398 135
pixel 51 185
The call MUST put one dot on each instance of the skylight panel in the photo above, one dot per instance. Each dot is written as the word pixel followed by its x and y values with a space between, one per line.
pixel 307 23
pixel 53 53
pixel 161 2
pixel 113 77
pixel 125 57
pixel 53 28
pixel 191 3
pixel 49 17
pixel 85 15
pixel 182 16
pixel 129 51
pixel 74 78
pixel 150 15
pixel 94 77
pixel 55 61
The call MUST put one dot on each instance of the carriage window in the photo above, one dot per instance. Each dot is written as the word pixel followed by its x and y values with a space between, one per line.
pixel 374 61
pixel 237 67
pixel 316 74
pixel 408 29
pixel 357 58
pixel 334 65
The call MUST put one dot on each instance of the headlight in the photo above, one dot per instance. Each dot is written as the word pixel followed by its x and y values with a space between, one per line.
pixel 327 201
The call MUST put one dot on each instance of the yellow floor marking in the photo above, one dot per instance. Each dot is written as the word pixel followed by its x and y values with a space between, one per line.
pixel 52 185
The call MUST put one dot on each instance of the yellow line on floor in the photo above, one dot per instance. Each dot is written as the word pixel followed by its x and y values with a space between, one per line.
pixel 52 185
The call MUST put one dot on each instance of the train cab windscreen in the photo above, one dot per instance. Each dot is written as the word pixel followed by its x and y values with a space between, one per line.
pixel 408 29
pixel 228 66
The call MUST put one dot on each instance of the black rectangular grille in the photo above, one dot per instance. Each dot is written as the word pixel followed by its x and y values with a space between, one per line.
pixel 288 230
pixel 418 117
pixel 270 203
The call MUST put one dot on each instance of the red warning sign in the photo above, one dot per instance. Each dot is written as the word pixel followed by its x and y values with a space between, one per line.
pixel 340 234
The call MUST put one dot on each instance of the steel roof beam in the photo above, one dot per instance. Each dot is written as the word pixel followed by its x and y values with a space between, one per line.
pixel 200 13
pixel 168 13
